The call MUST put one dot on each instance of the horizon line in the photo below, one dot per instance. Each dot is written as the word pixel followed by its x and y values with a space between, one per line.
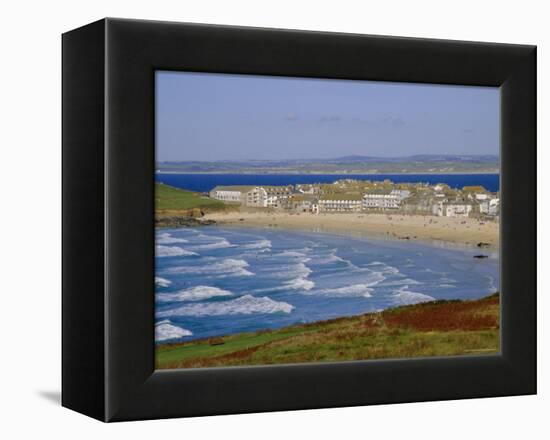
pixel 496 155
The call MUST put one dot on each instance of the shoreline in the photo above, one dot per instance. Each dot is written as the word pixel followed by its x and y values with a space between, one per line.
pixel 437 230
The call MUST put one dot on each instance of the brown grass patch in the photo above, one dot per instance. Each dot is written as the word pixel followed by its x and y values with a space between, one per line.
pixel 446 315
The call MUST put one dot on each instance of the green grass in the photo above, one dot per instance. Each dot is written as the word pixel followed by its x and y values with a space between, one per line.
pixel 174 199
pixel 440 328
pixel 243 341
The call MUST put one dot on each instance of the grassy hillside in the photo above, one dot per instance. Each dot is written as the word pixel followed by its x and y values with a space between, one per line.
pixel 425 163
pixel 439 328
pixel 168 198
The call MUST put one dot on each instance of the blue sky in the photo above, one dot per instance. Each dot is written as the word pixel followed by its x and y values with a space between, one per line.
pixel 202 116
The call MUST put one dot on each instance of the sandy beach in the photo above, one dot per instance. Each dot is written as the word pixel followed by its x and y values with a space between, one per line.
pixel 466 231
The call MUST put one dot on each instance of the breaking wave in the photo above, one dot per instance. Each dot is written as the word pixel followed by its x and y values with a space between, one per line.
pixel 220 244
pixel 299 284
pixel 172 251
pixel 260 244
pixel 390 270
pixel 245 305
pixel 331 258
pixel 404 281
pixel 224 268
pixel 300 270
pixel 162 282
pixel 363 289
pixel 166 238
pixel 355 290
pixel 403 296
pixel 492 287
pixel 296 277
pixel 290 254
pixel 165 330
pixel 197 293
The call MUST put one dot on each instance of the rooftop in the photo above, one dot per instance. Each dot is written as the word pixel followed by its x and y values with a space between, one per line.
pixel 301 197
pixel 342 196
pixel 475 188
pixel 378 191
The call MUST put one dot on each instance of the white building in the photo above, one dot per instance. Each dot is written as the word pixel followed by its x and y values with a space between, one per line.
pixel 253 196
pixel 230 194
pixel 279 191
pixel 273 201
pixel 384 198
pixel 276 195
pixel 302 203
pixel 490 206
pixel 452 209
pixel 494 207
pixel 308 188
pixel 340 203
pixel 256 197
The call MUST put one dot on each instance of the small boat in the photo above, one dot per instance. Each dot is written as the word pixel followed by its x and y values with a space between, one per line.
pixel 481 256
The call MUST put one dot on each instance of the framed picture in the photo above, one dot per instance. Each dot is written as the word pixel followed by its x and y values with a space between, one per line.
pixel 262 220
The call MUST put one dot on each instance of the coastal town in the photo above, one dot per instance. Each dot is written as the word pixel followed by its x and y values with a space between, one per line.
pixel 356 196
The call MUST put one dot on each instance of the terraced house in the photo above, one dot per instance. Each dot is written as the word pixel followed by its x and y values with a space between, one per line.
pixel 341 202
pixel 302 203
pixel 252 196
pixel 256 198
pixel 276 195
pixel 230 193
pixel 453 209
pixel 384 198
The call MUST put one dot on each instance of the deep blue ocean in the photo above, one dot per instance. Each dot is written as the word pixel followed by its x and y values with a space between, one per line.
pixel 216 280
pixel 205 182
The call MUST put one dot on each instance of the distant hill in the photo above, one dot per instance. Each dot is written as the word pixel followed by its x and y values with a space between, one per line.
pixel 422 163
pixel 426 158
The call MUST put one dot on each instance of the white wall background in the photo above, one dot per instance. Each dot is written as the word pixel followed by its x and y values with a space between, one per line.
pixel 30 231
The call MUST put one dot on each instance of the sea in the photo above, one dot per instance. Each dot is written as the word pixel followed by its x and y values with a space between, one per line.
pixel 215 280
pixel 206 182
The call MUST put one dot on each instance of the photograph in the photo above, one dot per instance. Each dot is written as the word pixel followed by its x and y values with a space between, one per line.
pixel 302 220
pixel 275 220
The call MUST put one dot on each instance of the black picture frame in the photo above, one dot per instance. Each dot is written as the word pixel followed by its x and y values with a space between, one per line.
pixel 108 225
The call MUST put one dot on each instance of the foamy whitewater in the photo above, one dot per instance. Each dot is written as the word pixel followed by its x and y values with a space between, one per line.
pixel 213 281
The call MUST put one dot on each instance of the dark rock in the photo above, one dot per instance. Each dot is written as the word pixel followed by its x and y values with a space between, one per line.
pixel 181 222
